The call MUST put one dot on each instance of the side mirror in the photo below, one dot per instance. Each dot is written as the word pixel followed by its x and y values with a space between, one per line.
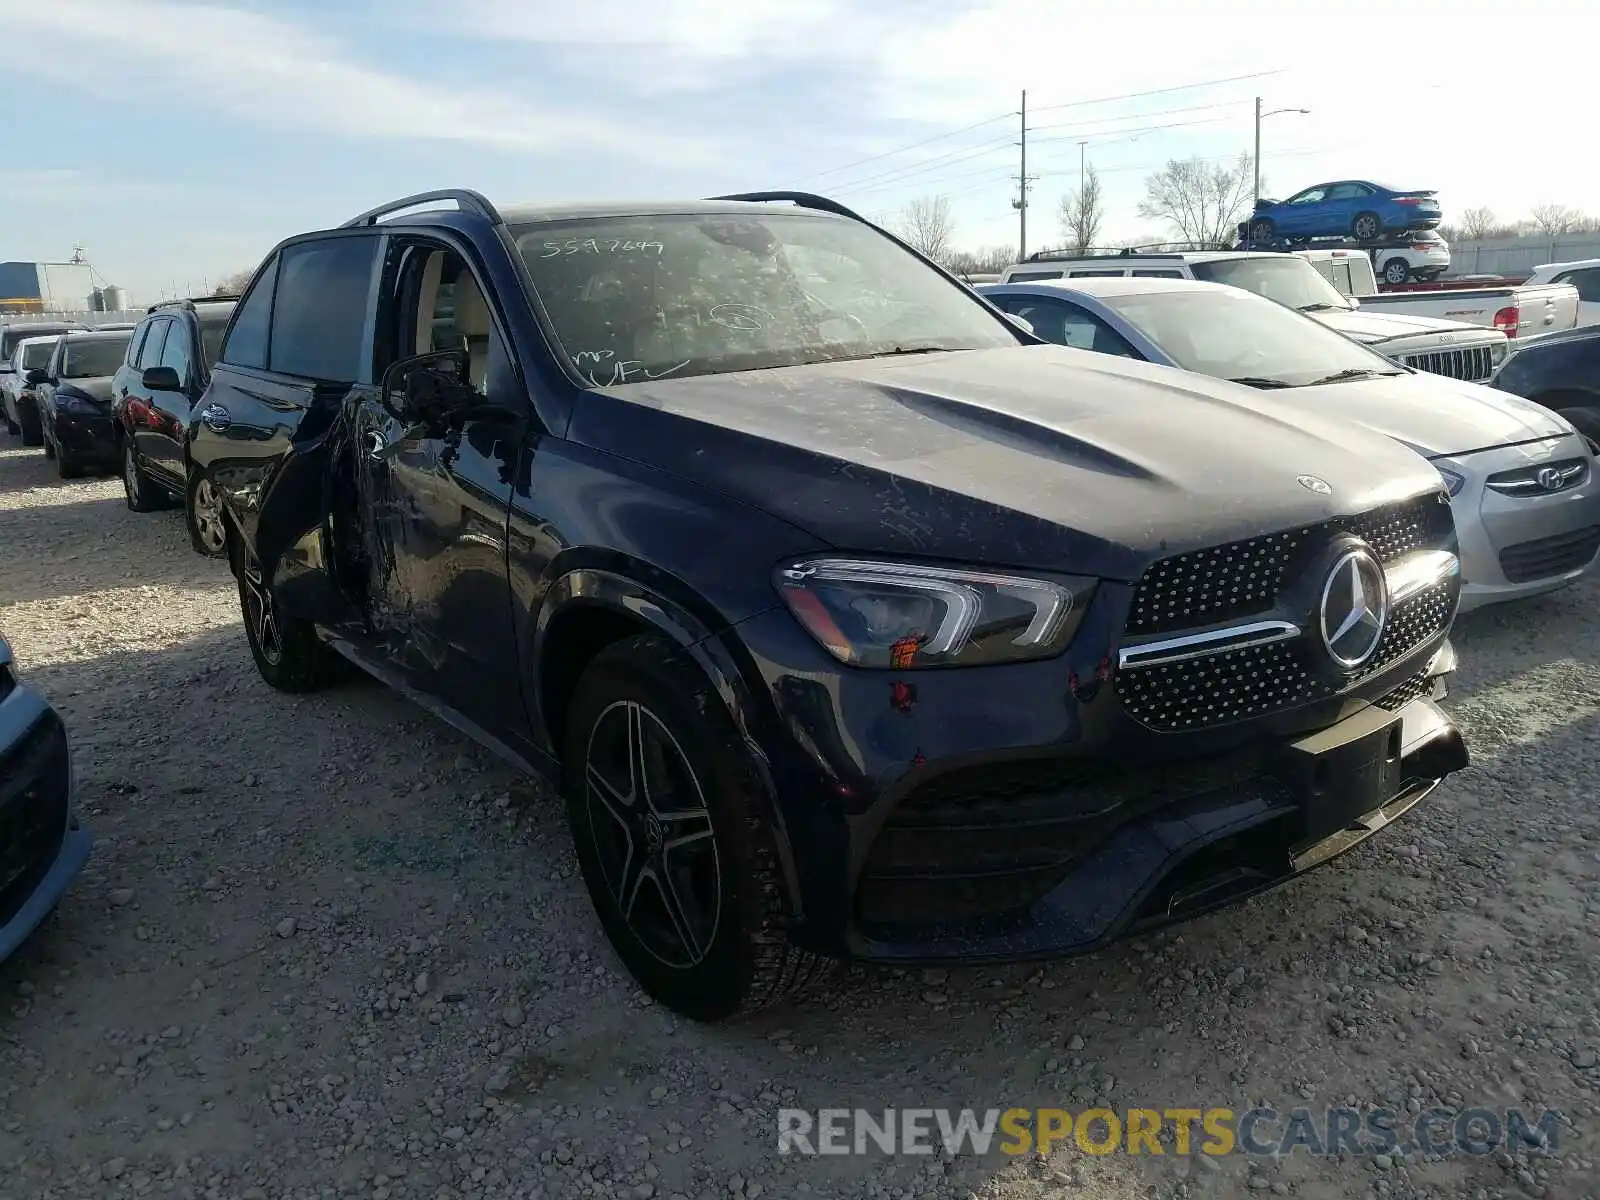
pixel 1021 323
pixel 36 376
pixel 161 379
pixel 429 388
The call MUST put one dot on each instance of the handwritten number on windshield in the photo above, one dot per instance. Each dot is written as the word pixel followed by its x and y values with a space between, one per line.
pixel 601 246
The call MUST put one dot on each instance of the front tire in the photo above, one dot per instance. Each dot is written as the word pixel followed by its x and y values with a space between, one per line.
pixel 667 817
pixel 203 515
pixel 288 652
pixel 143 493
pixel 1396 270
pixel 1367 227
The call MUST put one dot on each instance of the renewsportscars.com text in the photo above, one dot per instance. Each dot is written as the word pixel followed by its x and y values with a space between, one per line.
pixel 1260 1131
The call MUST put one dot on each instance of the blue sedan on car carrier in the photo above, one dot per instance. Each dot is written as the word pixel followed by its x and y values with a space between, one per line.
pixel 42 846
pixel 1354 207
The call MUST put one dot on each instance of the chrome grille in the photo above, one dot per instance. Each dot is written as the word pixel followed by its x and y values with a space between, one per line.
pixel 1472 363
pixel 1242 579
pixel 1251 682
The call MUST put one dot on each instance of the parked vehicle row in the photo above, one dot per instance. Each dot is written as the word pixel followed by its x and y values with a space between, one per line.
pixel 1309 282
pixel 1522 481
pixel 852 617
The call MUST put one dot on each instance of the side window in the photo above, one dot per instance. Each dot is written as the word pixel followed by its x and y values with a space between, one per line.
pixel 1310 196
pixel 246 344
pixel 319 313
pixel 1068 325
pixel 1341 277
pixel 1323 267
pixel 438 304
pixel 1097 274
pixel 1587 281
pixel 1161 274
pixel 136 343
pixel 176 353
pixel 1026 276
pixel 1345 191
pixel 154 341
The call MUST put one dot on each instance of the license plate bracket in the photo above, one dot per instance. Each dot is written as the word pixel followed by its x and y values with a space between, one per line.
pixel 1344 772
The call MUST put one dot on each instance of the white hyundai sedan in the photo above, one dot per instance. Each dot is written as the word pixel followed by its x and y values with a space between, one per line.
pixel 1524 485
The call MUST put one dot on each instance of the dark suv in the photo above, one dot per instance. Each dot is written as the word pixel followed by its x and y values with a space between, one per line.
pixel 153 395
pixel 853 621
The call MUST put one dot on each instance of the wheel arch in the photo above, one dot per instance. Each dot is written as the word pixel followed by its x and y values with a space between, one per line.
pixel 590 607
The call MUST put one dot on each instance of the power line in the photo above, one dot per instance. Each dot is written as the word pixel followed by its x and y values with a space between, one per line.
pixel 1182 87
pixel 912 146
pixel 1160 112
pixel 1185 87
pixel 906 173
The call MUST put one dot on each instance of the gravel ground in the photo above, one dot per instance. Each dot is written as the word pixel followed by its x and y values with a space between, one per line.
pixel 327 947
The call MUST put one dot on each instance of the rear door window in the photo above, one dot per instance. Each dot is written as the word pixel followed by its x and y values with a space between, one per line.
pixel 154 344
pixel 319 313
pixel 1098 274
pixel 176 352
pixel 246 344
pixel 1587 281
pixel 1164 273
pixel 1025 276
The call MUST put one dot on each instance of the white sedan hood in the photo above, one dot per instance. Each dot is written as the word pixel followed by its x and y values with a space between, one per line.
pixel 1431 414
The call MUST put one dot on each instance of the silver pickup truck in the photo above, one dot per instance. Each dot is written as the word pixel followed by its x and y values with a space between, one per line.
pixel 1452 348
pixel 1517 311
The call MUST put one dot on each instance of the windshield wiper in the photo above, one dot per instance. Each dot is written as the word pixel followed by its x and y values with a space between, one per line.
pixel 1324 306
pixel 1354 373
pixel 1259 381
pixel 899 351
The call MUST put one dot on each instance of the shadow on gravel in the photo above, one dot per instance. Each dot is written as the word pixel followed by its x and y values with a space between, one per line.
pixel 23 468
pixel 57 551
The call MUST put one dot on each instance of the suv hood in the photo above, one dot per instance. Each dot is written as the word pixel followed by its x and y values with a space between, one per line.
pixel 1031 456
pixel 1432 414
pixel 1375 328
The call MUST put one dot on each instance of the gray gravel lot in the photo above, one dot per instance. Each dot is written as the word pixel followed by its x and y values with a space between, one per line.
pixel 327 947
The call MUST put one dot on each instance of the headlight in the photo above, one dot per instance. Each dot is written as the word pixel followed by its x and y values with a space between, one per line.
pixel 1453 483
pixel 76 404
pixel 900 616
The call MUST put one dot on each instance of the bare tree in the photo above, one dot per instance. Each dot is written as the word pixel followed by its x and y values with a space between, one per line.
pixel 927 224
pixel 1082 212
pixel 1202 201
pixel 1479 223
pixel 1554 219
pixel 985 260
pixel 234 284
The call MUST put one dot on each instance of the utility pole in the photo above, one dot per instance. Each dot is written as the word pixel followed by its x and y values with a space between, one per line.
pixel 1255 192
pixel 1021 202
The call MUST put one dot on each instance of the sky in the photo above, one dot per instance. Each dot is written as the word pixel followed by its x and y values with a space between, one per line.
pixel 177 141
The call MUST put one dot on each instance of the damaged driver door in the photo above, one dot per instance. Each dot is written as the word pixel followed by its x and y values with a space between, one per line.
pixel 438 445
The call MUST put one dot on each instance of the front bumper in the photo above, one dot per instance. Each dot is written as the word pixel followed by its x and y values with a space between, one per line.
pixel 1517 546
pixel 995 813
pixel 42 845
pixel 89 436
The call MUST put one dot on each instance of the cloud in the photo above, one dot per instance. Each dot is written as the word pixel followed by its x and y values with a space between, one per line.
pixel 271 72
pixel 52 187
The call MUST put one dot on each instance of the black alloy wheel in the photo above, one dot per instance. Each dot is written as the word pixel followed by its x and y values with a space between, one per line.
pixel 673 833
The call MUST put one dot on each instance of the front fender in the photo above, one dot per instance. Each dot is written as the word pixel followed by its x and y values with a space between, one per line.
pixel 674 619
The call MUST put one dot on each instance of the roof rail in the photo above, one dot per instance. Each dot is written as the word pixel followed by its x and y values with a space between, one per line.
pixel 191 301
pixel 802 199
pixel 469 201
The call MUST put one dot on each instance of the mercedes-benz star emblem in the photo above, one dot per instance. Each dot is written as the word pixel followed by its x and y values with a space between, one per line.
pixel 1550 479
pixel 1312 484
pixel 1355 608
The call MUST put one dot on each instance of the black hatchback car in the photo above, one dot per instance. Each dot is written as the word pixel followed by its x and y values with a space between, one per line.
pixel 154 391
pixel 853 621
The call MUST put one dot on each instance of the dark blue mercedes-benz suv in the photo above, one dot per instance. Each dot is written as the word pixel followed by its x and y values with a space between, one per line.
pixel 852 620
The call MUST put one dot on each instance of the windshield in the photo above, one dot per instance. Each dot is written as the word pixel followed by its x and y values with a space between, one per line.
pixel 211 338
pixel 638 298
pixel 37 355
pixel 1234 335
pixel 1289 280
pixel 10 338
pixel 93 358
